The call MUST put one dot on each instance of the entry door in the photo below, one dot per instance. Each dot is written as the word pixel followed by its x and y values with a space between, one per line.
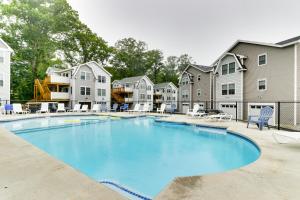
pixel 185 107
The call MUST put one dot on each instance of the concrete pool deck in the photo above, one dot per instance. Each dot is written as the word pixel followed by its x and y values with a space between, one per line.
pixel 26 172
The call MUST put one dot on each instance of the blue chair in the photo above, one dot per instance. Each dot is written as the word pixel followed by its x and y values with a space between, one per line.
pixel 8 108
pixel 261 120
pixel 172 109
pixel 124 107
pixel 114 108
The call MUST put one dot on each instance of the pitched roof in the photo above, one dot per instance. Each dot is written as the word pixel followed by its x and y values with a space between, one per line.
pixel 4 45
pixel 130 79
pixel 203 67
pixel 161 85
pixel 294 39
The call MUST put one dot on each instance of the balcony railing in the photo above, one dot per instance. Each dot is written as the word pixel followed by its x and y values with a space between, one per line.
pixel 59 79
pixel 60 95
pixel 128 100
pixel 123 90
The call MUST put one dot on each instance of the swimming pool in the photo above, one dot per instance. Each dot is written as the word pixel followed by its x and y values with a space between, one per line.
pixel 140 154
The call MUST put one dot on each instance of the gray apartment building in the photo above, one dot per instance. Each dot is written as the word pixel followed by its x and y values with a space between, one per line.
pixel 195 86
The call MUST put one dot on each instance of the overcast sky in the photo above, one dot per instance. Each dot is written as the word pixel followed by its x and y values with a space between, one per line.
pixel 203 29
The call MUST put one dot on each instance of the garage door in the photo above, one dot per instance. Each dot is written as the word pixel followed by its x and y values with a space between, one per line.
pixel 254 109
pixel 185 107
pixel 229 108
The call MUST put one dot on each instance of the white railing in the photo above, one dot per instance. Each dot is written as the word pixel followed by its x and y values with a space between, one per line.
pixel 128 89
pixel 128 100
pixel 59 95
pixel 59 79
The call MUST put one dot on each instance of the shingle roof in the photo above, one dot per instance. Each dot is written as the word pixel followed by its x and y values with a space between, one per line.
pixel 289 40
pixel 130 79
pixel 161 85
pixel 203 68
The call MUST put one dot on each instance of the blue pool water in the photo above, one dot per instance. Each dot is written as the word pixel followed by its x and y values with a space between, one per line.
pixel 140 154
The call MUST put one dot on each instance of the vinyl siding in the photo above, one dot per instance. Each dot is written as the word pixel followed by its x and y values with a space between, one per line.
pixel 5 71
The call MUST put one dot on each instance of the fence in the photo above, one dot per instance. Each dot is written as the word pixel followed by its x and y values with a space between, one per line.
pixel 286 114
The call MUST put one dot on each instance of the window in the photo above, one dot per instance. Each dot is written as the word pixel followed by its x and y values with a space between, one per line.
pixel 1 58
pixel 101 92
pixel 199 77
pixel 101 79
pixel 142 96
pixel 224 69
pixel 82 75
pixel 231 67
pixel 149 87
pixel 168 90
pixel 85 91
pixel 88 76
pixel 231 88
pixel 168 98
pixel 1 80
pixel 148 96
pixel 185 81
pixel 185 94
pixel 262 85
pixel 198 92
pixel 262 59
pixel 71 90
pixel 224 89
pixel 82 90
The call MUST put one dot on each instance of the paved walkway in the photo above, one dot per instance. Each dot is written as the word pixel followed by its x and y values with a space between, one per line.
pixel 28 173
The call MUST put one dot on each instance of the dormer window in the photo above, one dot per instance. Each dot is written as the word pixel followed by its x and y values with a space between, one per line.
pixel 262 59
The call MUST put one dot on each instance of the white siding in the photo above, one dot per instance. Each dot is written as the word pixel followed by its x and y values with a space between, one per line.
pixel 235 78
pixel 5 73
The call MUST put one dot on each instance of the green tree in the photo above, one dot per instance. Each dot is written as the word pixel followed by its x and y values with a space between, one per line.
pixel 154 64
pixel 129 58
pixel 183 61
pixel 169 72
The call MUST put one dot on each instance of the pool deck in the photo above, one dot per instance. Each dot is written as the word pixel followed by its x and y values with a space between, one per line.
pixel 26 172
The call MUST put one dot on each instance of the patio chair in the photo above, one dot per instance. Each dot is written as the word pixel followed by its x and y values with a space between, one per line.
pixel 8 108
pixel 136 108
pixel 263 119
pixel 284 137
pixel 103 108
pixel 195 111
pixel 44 108
pixel 76 108
pixel 162 108
pixel 61 107
pixel 96 108
pixel 219 116
pixel 124 107
pixel 84 108
pixel 17 109
pixel 114 108
pixel 146 108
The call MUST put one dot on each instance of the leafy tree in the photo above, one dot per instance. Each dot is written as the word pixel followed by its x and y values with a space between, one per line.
pixel 169 71
pixel 154 64
pixel 184 61
pixel 129 58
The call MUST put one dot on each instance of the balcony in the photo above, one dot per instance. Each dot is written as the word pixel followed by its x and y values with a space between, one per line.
pixel 158 100
pixel 122 90
pixel 60 96
pixel 128 100
pixel 59 79
pixel 158 93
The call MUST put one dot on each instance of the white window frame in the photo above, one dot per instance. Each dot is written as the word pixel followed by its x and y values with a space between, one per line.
pixel 228 89
pixel 234 89
pixel 229 67
pixel 263 54
pixel 266 84
pixel 227 71
pixel 84 75
pixel 85 87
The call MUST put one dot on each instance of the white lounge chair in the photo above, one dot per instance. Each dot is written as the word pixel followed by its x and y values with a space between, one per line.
pixel 162 108
pixel 286 137
pixel 61 107
pixel 136 108
pixel 146 108
pixel 96 108
pixel 220 116
pixel 17 109
pixel 76 108
pixel 44 108
pixel 84 108
pixel 194 112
